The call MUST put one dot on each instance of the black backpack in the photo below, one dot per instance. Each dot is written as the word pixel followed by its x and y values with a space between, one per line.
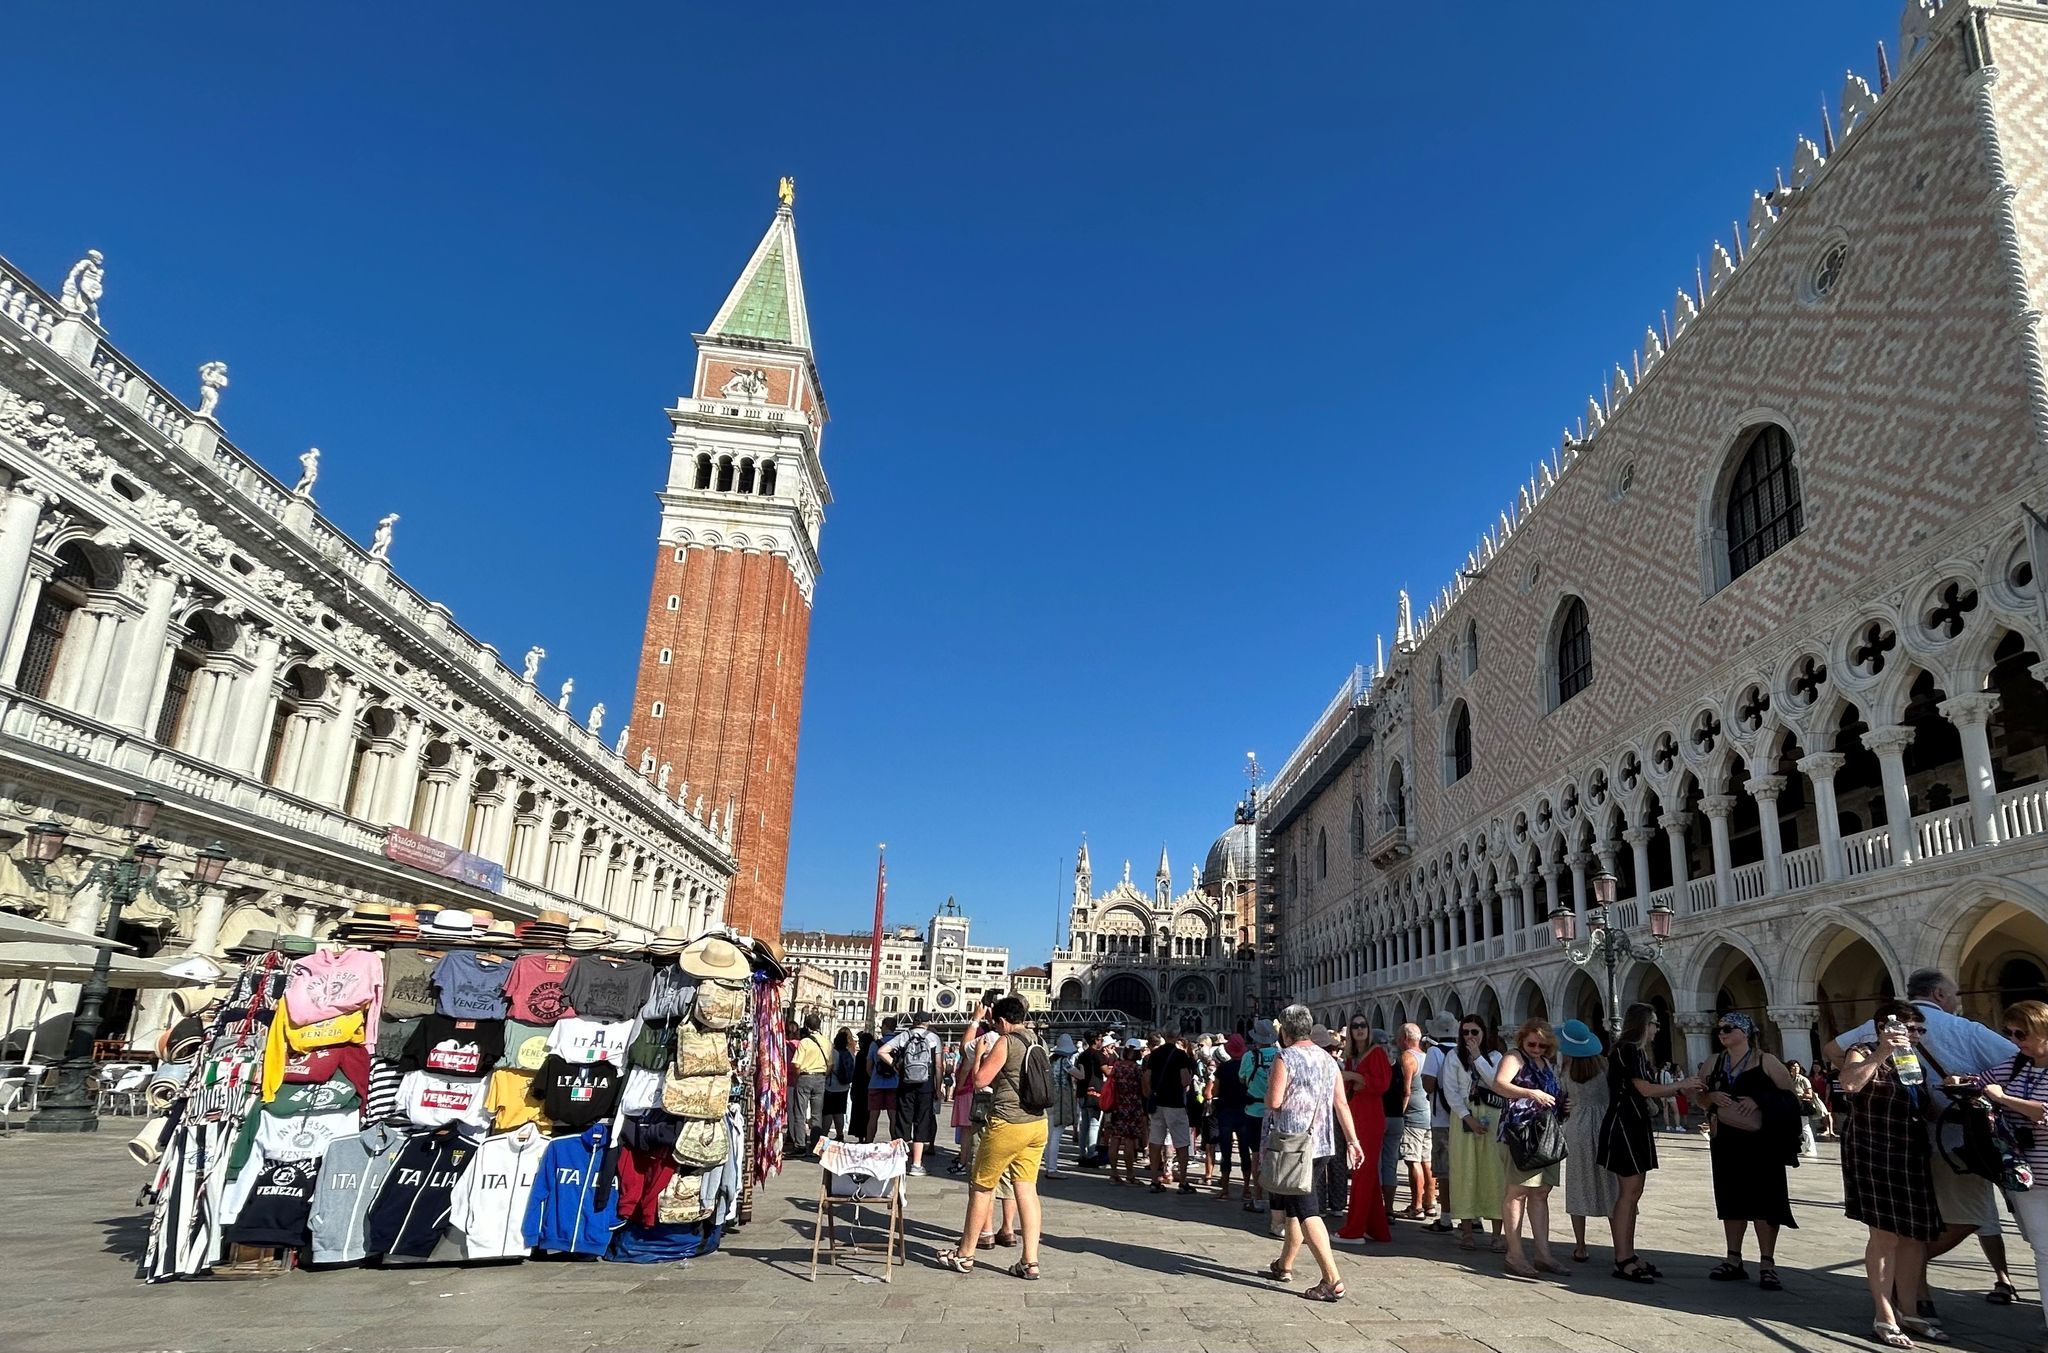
pixel 1988 1148
pixel 1034 1079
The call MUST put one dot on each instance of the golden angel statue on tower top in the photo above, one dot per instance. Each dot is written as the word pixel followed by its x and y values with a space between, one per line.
pixel 785 191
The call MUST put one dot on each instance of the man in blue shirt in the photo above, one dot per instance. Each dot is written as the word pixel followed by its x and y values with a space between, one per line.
pixel 883 1081
pixel 1958 1047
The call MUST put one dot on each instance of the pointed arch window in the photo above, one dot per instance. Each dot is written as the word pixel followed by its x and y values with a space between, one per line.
pixel 1357 825
pixel 1322 853
pixel 1436 683
pixel 1458 744
pixel 1471 648
pixel 1574 651
pixel 1765 510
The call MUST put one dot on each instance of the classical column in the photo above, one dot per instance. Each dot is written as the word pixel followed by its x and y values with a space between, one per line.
pixel 20 509
pixel 1820 769
pixel 1890 743
pixel 1639 839
pixel 213 902
pixel 82 658
pixel 450 818
pixel 1717 807
pixel 401 778
pixel 330 781
pixel 250 732
pixel 1765 789
pixel 1551 873
pixel 1578 860
pixel 1795 1031
pixel 1699 1038
pixel 1485 897
pixel 1523 921
pixel 133 682
pixel 1674 825
pixel 298 759
pixel 1970 714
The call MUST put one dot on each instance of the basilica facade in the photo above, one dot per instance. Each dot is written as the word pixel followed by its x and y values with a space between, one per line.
pixel 1181 961
pixel 1761 647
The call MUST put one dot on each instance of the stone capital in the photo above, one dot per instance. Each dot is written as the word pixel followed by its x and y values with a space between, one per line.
pixel 1675 822
pixel 1790 1017
pixel 1822 765
pixel 1765 788
pixel 1890 740
pixel 1718 805
pixel 1578 860
pixel 1639 836
pixel 1694 1021
pixel 1969 711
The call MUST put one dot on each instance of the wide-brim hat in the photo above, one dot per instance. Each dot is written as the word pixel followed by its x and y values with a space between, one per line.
pixel 553 918
pixel 502 935
pixel 714 956
pixel 1443 1026
pixel 668 940
pixel 537 934
pixel 588 933
pixel 298 946
pixel 1265 1033
pixel 1065 1047
pixel 254 942
pixel 450 924
pixel 1574 1039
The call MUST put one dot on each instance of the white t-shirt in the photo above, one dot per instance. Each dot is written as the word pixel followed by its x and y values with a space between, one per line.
pixel 1433 1065
pixel 590 1040
pixel 429 1099
pixel 487 1214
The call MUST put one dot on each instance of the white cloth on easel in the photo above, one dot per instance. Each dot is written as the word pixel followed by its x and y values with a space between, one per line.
pixel 882 1161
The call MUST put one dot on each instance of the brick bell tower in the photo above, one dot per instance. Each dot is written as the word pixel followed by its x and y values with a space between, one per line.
pixel 721 682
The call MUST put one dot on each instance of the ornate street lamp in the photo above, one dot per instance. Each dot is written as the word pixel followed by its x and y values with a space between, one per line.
pixel 70 1107
pixel 1611 945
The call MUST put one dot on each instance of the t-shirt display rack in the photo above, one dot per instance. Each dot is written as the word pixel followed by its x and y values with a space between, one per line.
pixel 367 1134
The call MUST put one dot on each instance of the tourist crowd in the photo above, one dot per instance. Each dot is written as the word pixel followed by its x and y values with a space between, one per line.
pixel 1939 1117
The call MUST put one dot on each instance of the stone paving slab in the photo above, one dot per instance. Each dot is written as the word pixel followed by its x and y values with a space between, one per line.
pixel 1126 1271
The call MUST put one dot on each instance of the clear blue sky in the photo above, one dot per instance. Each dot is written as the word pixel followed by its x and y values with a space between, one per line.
pixel 1164 342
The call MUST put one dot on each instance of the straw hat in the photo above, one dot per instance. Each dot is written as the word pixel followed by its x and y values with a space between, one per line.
pixel 589 933
pixel 714 956
pixel 483 916
pixel 502 935
pixel 670 939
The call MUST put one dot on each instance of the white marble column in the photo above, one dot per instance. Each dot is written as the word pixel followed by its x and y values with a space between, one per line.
pixel 401 779
pixel 1577 861
pixel 132 684
pixel 1718 807
pixel 21 507
pixel 1639 839
pixel 213 901
pixel 1820 770
pixel 329 781
pixel 1699 1038
pixel 1890 743
pixel 1795 1031
pixel 1674 825
pixel 1765 789
pixel 248 732
pixel 1971 715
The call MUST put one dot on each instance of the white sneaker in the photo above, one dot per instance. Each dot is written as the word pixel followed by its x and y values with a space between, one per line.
pixel 915 1170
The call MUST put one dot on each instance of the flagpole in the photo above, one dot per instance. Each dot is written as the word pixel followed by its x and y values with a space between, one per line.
pixel 875 947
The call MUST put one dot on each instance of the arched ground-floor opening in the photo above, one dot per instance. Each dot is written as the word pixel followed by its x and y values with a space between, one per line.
pixel 2004 958
pixel 1729 981
pixel 1528 1003
pixel 1583 1000
pixel 1648 984
pixel 1132 995
pixel 1488 1008
pixel 1851 979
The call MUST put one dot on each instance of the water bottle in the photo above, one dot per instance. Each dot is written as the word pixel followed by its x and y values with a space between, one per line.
pixel 1905 1062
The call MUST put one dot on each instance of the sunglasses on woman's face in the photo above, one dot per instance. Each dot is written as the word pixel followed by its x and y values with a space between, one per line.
pixel 1916 1028
pixel 1359 1028
pixel 1473 1033
pixel 2015 1034
pixel 1727 1029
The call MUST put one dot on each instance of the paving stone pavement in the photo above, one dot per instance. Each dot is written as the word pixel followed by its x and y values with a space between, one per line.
pixel 1124 1270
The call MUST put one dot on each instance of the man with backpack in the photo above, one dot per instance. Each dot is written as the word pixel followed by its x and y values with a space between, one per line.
pixel 914 1056
pixel 1255 1068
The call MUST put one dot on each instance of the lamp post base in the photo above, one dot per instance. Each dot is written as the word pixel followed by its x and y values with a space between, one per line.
pixel 66 1119
pixel 71 1105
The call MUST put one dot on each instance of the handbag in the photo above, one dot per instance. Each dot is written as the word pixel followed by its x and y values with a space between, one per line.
pixel 699 1053
pixel 719 1005
pixel 702 1144
pixel 682 1200
pixel 1105 1098
pixel 1287 1166
pixel 1536 1142
pixel 696 1096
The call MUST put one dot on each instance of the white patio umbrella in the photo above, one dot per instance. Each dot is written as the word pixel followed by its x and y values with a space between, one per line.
pixel 15 928
pixel 50 963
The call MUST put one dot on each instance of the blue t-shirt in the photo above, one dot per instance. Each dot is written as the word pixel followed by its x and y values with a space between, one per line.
pixel 880 1074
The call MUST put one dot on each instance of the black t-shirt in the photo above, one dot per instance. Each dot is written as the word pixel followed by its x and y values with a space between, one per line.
pixel 467 1048
pixel 1230 1091
pixel 604 988
pixel 1165 1066
pixel 1089 1064
pixel 577 1094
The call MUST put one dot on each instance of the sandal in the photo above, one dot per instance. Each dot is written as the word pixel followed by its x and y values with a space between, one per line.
pixel 1467 1242
pixel 1325 1291
pixel 1889 1335
pixel 1633 1269
pixel 1006 1238
pixel 1729 1271
pixel 1250 1206
pixel 1521 1270
pixel 1580 1254
pixel 986 1240
pixel 955 1260
pixel 1550 1266
pixel 1925 1329
pixel 1767 1279
pixel 1026 1269
pixel 1277 1273
pixel 2002 1293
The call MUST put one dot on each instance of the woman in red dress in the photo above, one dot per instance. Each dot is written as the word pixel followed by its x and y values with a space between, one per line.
pixel 1367 1075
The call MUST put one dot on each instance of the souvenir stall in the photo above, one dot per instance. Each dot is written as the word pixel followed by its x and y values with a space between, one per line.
pixel 449 1086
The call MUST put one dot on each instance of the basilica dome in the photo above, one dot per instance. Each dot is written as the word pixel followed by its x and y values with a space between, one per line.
pixel 1234 852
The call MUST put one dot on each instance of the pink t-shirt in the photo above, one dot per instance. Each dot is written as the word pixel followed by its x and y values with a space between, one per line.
pixel 324 984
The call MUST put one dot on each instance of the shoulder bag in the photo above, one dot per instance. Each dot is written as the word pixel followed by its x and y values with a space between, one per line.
pixel 1537 1142
pixel 702 1143
pixel 1738 1114
pixel 1287 1166
pixel 719 1005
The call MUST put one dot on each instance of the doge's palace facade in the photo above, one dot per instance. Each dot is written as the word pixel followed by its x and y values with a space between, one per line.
pixel 179 620
pixel 1764 639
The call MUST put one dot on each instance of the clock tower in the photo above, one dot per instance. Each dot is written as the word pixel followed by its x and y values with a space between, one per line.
pixel 721 680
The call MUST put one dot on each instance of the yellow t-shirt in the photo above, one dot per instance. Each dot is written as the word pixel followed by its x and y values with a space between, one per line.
pixel 511 1101
pixel 810 1055
pixel 287 1038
